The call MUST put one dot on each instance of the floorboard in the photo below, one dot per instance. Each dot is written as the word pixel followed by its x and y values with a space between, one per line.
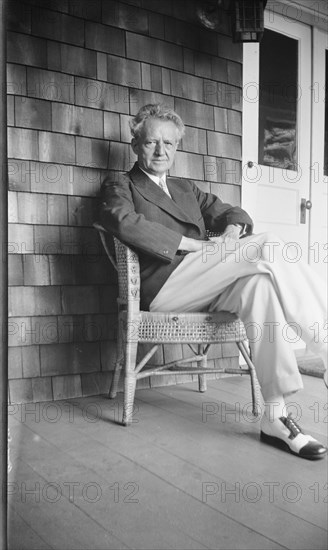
pixel 189 473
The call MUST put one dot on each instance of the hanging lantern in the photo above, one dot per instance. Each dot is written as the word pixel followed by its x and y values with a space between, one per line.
pixel 247 19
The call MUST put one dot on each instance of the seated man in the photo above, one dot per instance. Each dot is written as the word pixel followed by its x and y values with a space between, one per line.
pixel 165 219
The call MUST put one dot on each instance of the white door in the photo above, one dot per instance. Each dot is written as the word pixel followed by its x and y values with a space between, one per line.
pixel 277 133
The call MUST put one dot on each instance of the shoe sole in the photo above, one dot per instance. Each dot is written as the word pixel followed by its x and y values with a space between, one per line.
pixel 280 444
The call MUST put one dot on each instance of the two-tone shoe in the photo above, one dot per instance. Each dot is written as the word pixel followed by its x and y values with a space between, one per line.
pixel 285 433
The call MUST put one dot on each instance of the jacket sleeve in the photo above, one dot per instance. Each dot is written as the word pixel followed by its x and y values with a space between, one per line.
pixel 217 214
pixel 118 216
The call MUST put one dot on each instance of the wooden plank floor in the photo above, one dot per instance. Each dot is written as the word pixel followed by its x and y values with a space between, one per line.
pixel 189 473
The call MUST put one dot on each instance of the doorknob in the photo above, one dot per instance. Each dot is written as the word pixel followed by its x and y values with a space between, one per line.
pixel 305 205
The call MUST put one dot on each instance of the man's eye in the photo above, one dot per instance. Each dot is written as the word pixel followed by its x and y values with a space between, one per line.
pixel 168 144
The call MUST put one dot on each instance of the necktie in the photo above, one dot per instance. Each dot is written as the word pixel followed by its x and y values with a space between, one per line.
pixel 163 186
pixel 161 183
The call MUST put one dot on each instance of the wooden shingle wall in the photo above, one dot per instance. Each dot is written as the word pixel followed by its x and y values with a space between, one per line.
pixel 77 70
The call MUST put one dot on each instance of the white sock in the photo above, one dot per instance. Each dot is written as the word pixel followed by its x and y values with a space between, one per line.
pixel 275 408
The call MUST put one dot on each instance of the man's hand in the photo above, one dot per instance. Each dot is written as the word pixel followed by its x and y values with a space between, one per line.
pixel 231 232
pixel 191 245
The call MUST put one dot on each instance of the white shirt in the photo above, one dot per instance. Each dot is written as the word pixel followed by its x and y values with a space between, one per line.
pixel 156 179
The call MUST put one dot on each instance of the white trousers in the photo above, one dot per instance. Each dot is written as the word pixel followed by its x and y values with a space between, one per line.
pixel 279 298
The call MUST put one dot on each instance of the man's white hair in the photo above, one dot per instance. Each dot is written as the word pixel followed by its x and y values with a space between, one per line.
pixel 158 111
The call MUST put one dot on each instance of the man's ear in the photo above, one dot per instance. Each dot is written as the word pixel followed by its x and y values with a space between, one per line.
pixel 134 145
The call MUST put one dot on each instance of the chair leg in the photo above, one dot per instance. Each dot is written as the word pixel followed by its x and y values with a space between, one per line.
pixel 118 365
pixel 255 386
pixel 130 382
pixel 202 381
pixel 116 378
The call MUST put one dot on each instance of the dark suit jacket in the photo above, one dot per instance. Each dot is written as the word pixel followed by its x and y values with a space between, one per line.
pixel 140 214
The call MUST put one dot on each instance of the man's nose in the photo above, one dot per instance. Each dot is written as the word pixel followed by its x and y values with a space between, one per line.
pixel 160 149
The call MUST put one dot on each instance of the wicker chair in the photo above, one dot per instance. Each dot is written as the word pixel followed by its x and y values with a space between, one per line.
pixel 136 326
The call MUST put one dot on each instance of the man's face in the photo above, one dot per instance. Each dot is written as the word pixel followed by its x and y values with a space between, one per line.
pixel 156 146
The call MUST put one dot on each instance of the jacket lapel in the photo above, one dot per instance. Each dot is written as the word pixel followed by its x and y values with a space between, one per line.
pixel 153 193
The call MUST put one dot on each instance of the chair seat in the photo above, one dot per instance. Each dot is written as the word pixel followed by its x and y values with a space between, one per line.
pixel 193 328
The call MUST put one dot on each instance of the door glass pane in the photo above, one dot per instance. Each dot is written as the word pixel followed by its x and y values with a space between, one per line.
pixel 326 120
pixel 278 101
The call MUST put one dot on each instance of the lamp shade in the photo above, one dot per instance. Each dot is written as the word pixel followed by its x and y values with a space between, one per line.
pixel 247 18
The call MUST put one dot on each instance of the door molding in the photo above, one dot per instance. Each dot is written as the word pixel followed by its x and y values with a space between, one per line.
pixel 314 14
pixel 319 182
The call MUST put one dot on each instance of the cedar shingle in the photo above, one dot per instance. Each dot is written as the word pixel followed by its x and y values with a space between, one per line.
pixel 21 391
pixel 51 177
pixel 10 110
pixel 31 361
pixel 156 25
pixel 57 210
pixel 56 148
pixel 112 126
pixel 57 26
pixel 69 119
pixel 50 85
pixel 16 79
pixel 19 175
pixel 78 61
pixel 101 66
pixel 187 86
pixel 102 95
pixel 36 270
pixel 94 384
pixel 85 9
pixel 32 113
pixel 125 128
pixel 20 239
pixel 224 145
pixel 26 50
pixel 29 300
pixel 23 143
pixel 66 387
pixel 12 207
pixel 138 98
pixel 104 39
pixel 154 51
pixel 125 16
pixel 15 368
pixel 180 33
pixel 42 389
pixel 15 270
pixel 194 140
pixel 59 359
pixel 19 17
pixel 188 165
pixel 195 114
pixel 93 152
pixel 32 208
pixel 123 71
pixel 222 170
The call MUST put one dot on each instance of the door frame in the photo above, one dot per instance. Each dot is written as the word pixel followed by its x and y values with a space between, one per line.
pixel 319 182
